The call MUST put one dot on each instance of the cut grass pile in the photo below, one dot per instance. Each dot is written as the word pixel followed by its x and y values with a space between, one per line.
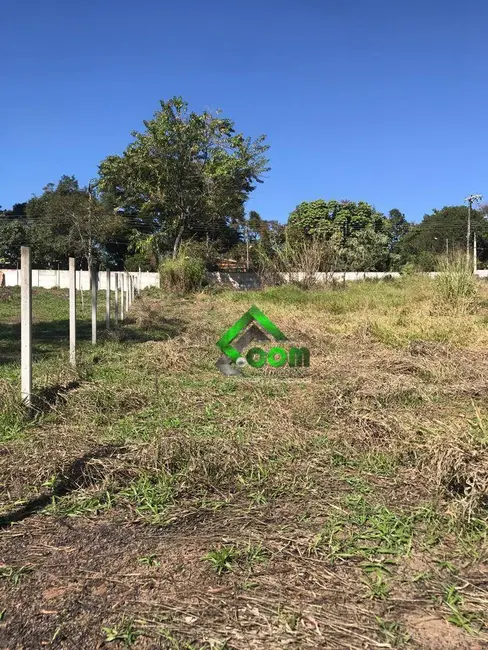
pixel 153 503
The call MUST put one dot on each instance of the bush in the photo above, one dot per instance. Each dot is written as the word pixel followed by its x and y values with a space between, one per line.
pixel 298 262
pixel 456 283
pixel 182 274
pixel 208 252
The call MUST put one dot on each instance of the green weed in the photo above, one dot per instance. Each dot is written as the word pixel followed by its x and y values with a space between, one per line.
pixel 14 574
pixel 151 496
pixel 454 600
pixel 377 585
pixel 392 632
pixel 149 560
pixel 255 554
pixel 364 532
pixel 125 632
pixel 223 559
pixel 79 505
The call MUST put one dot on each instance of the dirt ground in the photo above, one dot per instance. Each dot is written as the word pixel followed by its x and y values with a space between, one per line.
pixel 154 503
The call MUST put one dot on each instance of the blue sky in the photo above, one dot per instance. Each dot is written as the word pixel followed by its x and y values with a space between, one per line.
pixel 376 100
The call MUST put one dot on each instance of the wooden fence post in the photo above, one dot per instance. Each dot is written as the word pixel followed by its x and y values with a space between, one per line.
pixel 26 324
pixel 116 298
pixel 72 311
pixel 107 299
pixel 94 282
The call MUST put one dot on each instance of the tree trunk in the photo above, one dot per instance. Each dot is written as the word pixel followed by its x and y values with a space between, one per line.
pixel 247 248
pixel 178 239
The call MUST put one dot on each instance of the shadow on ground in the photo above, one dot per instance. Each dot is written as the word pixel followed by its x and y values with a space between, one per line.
pixel 69 479
pixel 50 337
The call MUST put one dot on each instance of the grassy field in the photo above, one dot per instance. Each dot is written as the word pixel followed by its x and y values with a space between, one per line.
pixel 152 502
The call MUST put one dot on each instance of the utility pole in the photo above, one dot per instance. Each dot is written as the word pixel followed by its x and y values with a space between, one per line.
pixel 472 198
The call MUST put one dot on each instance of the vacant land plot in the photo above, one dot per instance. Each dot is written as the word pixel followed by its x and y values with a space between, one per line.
pixel 155 503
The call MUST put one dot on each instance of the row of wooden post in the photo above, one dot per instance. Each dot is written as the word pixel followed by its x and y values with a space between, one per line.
pixel 124 297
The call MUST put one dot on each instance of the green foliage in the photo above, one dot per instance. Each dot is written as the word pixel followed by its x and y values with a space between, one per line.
pixel 150 560
pixel 297 260
pixel 357 231
pixel 185 172
pixel 365 532
pixel 125 632
pixel 327 218
pixel 151 496
pixel 456 283
pixel 14 574
pixel 427 240
pixel 13 235
pixel 182 274
pixel 223 559
pixel 68 220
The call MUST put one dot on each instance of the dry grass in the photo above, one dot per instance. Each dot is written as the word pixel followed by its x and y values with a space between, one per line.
pixel 346 502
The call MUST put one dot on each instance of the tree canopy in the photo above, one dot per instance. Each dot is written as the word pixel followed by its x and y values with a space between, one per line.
pixel 357 230
pixel 185 173
pixel 443 230
pixel 186 177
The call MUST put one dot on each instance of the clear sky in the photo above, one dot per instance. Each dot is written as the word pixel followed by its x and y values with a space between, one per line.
pixel 384 101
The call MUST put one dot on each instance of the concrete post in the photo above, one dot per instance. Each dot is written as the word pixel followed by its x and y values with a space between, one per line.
pixel 139 282
pixel 94 282
pixel 122 297
pixel 132 289
pixel 72 311
pixel 107 299
pixel 116 298
pixel 128 291
pixel 26 324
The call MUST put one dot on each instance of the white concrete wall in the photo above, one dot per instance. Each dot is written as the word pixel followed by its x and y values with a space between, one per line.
pixel 251 280
pixel 49 279
pixel 348 276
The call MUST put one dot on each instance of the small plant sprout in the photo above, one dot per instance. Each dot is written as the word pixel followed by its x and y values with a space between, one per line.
pixel 223 559
pixel 125 633
pixel 150 560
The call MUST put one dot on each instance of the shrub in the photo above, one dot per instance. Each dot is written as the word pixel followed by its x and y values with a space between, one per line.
pixel 182 274
pixel 456 283
pixel 298 262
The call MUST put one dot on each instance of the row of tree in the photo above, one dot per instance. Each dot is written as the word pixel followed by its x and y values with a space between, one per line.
pixel 185 179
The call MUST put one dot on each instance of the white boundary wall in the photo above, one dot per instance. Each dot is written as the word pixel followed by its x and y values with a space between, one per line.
pixel 50 279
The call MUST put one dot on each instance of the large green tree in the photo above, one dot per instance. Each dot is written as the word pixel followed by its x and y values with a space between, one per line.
pixel 12 237
pixel 398 229
pixel 443 230
pixel 184 175
pixel 358 232
pixel 66 220
pixel 13 234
